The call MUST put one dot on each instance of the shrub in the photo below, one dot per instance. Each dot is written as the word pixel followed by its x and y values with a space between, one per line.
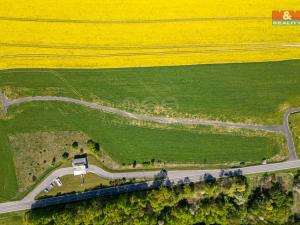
pixel 75 145
pixel 53 160
pixel 93 146
pixel 152 161
pixel 65 155
pixel 34 178
pixel 146 163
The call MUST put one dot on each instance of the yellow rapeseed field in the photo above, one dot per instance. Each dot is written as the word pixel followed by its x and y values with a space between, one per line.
pixel 119 33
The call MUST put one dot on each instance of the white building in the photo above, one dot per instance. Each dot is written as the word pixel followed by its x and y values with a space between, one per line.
pixel 80 165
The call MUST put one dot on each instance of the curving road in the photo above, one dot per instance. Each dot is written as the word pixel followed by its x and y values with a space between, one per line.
pixel 173 177
pixel 273 128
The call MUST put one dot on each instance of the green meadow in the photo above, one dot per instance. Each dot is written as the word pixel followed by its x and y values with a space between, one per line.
pixel 248 92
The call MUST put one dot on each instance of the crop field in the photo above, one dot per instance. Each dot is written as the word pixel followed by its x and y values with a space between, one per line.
pixel 94 34
pixel 128 140
pixel 249 92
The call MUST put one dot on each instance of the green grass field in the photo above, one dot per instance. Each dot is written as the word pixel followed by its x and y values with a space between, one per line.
pixel 8 182
pixel 126 143
pixel 248 92
pixel 127 140
pixel 295 126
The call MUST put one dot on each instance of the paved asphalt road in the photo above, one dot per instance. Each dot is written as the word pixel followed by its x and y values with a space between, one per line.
pixel 173 177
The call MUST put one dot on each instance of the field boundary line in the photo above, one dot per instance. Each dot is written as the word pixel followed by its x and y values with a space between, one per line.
pixel 133 21
pixel 106 55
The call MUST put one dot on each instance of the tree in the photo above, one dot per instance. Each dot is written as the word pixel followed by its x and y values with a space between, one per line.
pixel 93 146
pixel 53 160
pixel 134 164
pixel 202 203
pixel 34 178
pixel 65 155
pixel 152 161
pixel 75 145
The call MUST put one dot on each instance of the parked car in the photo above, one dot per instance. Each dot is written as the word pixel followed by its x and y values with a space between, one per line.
pixel 46 190
pixel 58 182
pixel 52 185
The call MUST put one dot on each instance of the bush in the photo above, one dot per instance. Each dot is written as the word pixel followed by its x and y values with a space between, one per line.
pixel 152 161
pixel 146 163
pixel 53 160
pixel 34 178
pixel 65 155
pixel 93 146
pixel 75 145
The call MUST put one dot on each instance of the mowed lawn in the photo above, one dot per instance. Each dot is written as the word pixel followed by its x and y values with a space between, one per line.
pixel 249 92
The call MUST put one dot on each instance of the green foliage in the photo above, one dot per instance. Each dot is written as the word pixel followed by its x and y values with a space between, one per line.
pixel 93 146
pixel 271 205
pixel 34 178
pixel 75 145
pixel 225 201
pixel 134 164
pixel 65 155
pixel 297 178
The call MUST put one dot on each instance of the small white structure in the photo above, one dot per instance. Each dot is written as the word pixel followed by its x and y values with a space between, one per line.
pixel 58 182
pixel 80 165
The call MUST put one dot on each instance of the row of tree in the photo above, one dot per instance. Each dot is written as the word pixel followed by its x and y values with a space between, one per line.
pixel 229 200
